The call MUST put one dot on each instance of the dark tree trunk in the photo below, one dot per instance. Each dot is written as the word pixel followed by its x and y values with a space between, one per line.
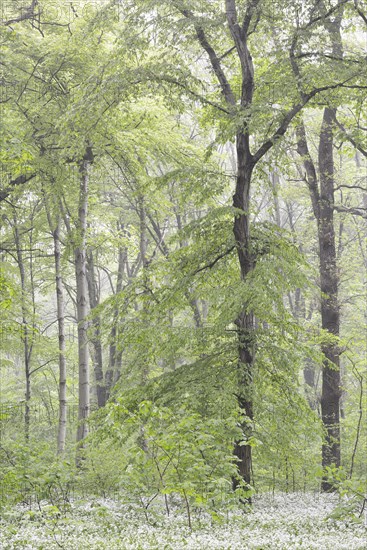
pixel 329 278
pixel 322 197
pixel 245 319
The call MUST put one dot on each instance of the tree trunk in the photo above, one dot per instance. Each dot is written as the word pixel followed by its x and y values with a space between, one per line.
pixel 143 248
pixel 82 299
pixel 115 356
pixel 97 355
pixel 329 279
pixel 55 229
pixel 245 320
pixel 25 336
pixel 61 435
pixel 322 198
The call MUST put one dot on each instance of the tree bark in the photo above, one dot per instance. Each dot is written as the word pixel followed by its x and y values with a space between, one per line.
pixel 25 336
pixel 62 425
pixel 61 434
pixel 245 319
pixel 97 354
pixel 115 354
pixel 330 316
pixel 82 299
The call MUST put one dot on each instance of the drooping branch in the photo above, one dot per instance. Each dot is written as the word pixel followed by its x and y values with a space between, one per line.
pixel 196 95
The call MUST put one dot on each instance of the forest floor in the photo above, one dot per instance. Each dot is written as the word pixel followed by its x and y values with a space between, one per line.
pixel 276 522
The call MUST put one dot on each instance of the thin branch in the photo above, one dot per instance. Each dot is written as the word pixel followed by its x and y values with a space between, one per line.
pixel 249 15
pixel 196 95
pixel 350 138
pixel 350 187
pixel 325 15
pixel 309 165
pixel 216 260
pixel 359 423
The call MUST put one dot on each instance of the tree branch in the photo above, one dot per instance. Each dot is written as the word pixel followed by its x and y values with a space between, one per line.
pixel 290 115
pixel 240 39
pixel 196 95
pixel 214 59
pixel 359 11
pixel 350 139
pixel 212 264
pixel 311 175
pixel 354 211
pixel 20 180
pixel 28 13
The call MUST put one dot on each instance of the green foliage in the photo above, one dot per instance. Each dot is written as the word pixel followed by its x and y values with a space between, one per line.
pixel 172 451
pixel 352 495
pixel 34 475
pixel 120 78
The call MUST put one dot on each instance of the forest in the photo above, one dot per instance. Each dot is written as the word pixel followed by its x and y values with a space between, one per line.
pixel 183 274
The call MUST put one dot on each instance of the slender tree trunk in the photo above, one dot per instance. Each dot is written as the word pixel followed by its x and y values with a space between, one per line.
pixel 143 248
pixel 82 299
pixel 25 335
pixel 97 355
pixel 115 355
pixel 61 434
pixel 55 229
pixel 329 279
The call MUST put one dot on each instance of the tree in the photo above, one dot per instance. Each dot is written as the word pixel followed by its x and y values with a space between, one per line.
pixel 246 27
